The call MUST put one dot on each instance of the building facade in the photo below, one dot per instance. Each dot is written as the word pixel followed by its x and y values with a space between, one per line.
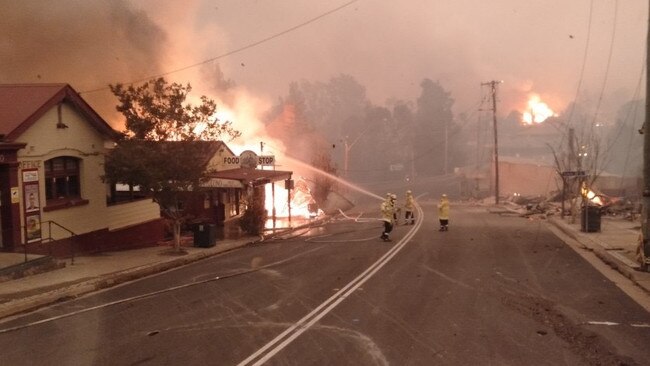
pixel 232 180
pixel 53 199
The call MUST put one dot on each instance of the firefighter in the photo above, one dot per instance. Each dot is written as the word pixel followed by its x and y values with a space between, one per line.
pixel 443 213
pixel 387 212
pixel 396 209
pixel 409 218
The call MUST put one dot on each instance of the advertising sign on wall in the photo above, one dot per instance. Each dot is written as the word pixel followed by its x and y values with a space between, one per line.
pixel 32 205
pixel 33 228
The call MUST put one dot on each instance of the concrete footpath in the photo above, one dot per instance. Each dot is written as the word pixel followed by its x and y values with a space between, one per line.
pixel 94 272
pixel 615 244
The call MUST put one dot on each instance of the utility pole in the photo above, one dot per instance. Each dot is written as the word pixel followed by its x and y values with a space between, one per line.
pixel 645 224
pixel 272 186
pixel 569 167
pixel 477 186
pixel 347 147
pixel 346 156
pixel 493 87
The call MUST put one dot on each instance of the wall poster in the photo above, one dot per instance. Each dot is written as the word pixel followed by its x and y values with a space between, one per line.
pixel 33 228
pixel 32 205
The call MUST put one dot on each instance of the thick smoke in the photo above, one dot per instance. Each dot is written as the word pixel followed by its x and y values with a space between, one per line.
pixel 88 44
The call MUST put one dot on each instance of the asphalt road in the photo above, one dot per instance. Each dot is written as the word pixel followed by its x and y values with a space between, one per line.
pixel 494 290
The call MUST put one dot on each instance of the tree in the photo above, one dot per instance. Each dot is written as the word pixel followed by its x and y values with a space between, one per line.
pixel 376 144
pixel 166 145
pixel 404 118
pixel 327 111
pixel 323 184
pixel 436 129
pixel 310 119
pixel 327 106
pixel 581 150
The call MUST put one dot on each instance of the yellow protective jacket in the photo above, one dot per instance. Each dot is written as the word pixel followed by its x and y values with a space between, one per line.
pixel 443 209
pixel 410 203
pixel 387 210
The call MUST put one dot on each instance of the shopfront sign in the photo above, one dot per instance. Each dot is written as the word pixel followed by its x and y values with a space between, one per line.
pixel 248 159
pixel 221 183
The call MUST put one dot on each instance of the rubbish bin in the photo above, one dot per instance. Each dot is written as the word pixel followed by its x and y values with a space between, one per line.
pixel 204 235
pixel 590 219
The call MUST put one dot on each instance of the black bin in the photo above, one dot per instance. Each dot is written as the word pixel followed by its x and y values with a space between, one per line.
pixel 205 235
pixel 590 219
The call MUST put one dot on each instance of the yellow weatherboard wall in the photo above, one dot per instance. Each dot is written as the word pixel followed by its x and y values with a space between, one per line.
pixel 80 140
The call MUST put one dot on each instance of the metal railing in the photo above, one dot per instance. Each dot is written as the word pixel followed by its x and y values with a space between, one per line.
pixel 71 236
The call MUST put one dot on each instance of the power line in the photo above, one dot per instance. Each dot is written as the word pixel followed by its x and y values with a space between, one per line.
pixel 582 73
pixel 229 53
pixel 629 143
pixel 624 123
pixel 607 67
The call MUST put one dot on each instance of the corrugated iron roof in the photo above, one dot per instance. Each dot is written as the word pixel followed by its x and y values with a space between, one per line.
pixel 204 150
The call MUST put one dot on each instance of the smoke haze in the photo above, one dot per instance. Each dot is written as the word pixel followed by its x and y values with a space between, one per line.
pixel 533 46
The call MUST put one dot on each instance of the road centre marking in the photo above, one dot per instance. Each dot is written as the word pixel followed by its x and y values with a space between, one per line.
pixel 289 335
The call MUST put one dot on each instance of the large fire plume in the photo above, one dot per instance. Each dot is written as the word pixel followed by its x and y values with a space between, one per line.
pixel 242 113
pixel 536 111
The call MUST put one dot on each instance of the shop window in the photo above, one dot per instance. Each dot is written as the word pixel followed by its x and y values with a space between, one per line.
pixel 120 193
pixel 62 182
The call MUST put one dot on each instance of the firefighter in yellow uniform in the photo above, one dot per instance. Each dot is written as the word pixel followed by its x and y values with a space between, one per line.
pixel 409 205
pixel 443 213
pixel 387 212
pixel 396 209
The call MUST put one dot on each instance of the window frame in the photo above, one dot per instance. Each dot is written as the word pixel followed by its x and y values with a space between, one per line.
pixel 62 182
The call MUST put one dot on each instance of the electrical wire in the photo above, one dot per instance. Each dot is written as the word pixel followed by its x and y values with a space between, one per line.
pixel 232 52
pixel 607 66
pixel 582 73
pixel 632 130
pixel 624 123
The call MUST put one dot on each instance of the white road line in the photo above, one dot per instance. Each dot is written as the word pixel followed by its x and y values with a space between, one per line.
pixel 635 325
pixel 150 294
pixel 602 323
pixel 273 347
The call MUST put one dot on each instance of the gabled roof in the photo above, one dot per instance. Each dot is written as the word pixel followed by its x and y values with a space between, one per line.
pixel 205 150
pixel 21 105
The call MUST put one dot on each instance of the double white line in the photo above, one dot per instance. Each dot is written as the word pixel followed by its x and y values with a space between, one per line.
pixel 285 338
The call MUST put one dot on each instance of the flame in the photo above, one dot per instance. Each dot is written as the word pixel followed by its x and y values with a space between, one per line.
pixel 255 138
pixel 242 111
pixel 537 111
pixel 591 196
pixel 300 200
